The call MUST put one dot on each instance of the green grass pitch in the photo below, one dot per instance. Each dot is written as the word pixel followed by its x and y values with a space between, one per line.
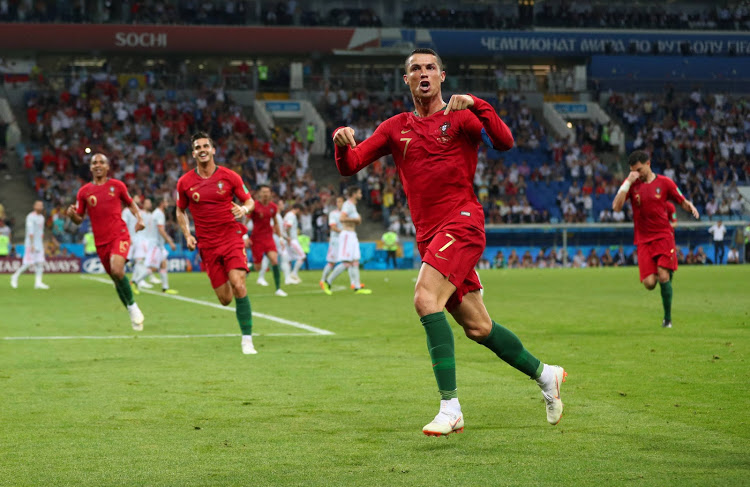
pixel 643 405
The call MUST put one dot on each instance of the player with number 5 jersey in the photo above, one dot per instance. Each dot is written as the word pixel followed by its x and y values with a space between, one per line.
pixel 435 151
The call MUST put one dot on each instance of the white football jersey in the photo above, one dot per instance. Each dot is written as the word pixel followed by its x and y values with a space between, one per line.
pixel 290 225
pixel 34 231
pixel 334 218
pixel 159 219
pixel 149 233
pixel 350 209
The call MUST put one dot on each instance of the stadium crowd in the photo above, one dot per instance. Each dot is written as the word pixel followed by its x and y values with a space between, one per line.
pixel 734 15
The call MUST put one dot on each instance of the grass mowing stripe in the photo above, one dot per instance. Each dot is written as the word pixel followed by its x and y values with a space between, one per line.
pixel 296 324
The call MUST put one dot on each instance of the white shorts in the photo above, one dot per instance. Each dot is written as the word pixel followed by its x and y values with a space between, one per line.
pixel 155 256
pixel 36 257
pixel 294 250
pixel 333 251
pixel 138 249
pixel 348 247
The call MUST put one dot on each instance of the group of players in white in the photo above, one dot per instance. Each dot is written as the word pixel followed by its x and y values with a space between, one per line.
pixel 148 253
pixel 343 245
pixel 147 249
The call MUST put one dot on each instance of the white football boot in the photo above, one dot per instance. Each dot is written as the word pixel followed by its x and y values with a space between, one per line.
pixel 550 381
pixel 448 420
pixel 247 345
pixel 136 317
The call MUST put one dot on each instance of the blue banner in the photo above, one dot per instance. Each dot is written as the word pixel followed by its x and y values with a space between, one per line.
pixel 582 43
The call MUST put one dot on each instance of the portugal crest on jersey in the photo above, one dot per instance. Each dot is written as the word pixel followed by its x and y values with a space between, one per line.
pixel 444 137
pixel 221 189
pixel 111 190
pixel 658 193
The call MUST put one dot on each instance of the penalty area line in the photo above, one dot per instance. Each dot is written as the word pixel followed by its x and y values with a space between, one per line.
pixel 283 321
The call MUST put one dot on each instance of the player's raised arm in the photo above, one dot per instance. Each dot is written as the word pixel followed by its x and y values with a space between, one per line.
pixel 497 131
pixel 622 193
pixel 352 157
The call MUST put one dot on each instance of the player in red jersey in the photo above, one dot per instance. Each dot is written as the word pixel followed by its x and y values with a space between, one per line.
pixel 265 225
pixel 435 150
pixel 208 191
pixel 103 199
pixel 653 234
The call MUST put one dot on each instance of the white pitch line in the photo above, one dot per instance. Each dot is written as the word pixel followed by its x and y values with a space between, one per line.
pixel 295 324
pixel 125 337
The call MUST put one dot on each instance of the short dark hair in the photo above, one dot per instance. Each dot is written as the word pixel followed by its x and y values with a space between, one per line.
pixel 261 186
pixel 352 190
pixel 201 135
pixel 423 50
pixel 298 206
pixel 638 156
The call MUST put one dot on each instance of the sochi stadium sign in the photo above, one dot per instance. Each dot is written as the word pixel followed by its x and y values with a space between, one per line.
pixel 141 39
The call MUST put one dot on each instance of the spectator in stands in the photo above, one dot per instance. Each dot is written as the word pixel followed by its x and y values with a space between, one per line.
pixel 500 262
pixel 606 259
pixel 527 261
pixel 513 261
pixel 733 256
pixel 579 260
pixel 593 259
pixel 620 259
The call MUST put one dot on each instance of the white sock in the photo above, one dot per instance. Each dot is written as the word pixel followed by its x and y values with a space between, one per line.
pixel 354 275
pixel 285 267
pixel 297 267
pixel 20 271
pixel 326 270
pixel 164 279
pixel 247 338
pixel 39 272
pixel 336 271
pixel 139 271
pixel 264 267
pixel 450 404
pixel 547 377
pixel 133 306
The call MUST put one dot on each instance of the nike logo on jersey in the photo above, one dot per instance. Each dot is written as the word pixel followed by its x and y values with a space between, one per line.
pixel 405 131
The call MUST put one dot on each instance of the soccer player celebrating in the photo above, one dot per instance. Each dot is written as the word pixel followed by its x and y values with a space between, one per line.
pixel 102 198
pixel 265 226
pixel 208 191
pixel 334 225
pixel 435 150
pixel 653 234
pixel 33 253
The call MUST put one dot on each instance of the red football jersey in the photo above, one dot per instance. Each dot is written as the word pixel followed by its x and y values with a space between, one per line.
pixel 650 214
pixel 210 203
pixel 436 158
pixel 263 217
pixel 104 205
